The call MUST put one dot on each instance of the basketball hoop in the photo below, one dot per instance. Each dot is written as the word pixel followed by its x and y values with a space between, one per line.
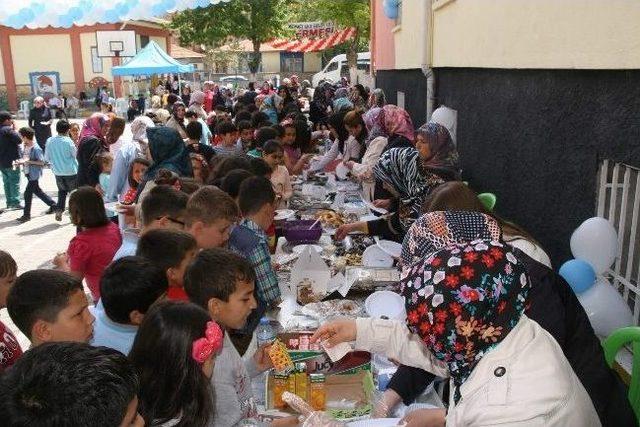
pixel 116 47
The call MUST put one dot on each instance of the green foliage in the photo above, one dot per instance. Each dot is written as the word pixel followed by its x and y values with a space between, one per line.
pixel 344 13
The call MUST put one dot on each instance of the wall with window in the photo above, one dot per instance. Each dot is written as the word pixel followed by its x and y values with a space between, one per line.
pixel 41 53
pixel 91 64
pixel 410 34
pixel 312 62
pixel 291 62
pixel 270 62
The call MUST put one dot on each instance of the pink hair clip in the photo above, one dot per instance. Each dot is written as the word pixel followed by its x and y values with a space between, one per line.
pixel 211 343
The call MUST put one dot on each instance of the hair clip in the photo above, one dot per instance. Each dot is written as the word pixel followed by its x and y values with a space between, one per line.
pixel 211 343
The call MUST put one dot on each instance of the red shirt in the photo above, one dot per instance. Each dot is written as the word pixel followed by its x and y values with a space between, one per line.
pixel 175 293
pixel 91 250
pixel 9 348
pixel 208 101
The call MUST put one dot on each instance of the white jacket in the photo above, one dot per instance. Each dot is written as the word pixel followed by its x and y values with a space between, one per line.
pixel 524 381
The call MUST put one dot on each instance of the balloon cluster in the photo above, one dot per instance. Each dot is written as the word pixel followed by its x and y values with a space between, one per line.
pixel 65 13
pixel 390 8
pixel 594 244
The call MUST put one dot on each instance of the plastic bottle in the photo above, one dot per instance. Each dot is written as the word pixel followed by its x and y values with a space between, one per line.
pixel 265 333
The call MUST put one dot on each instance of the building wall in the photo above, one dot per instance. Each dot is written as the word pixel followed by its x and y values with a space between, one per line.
pixel 87 40
pixel 312 62
pixel 535 138
pixel 411 35
pixel 413 84
pixel 586 34
pixel 41 53
pixel 270 62
pixel 382 38
pixel 2 80
pixel 162 41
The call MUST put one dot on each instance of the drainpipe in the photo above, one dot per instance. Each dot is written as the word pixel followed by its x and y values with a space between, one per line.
pixel 427 34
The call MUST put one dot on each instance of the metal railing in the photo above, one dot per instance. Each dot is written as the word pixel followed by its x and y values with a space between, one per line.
pixel 619 202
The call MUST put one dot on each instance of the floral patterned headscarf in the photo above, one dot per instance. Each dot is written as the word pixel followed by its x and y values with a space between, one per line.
pixel 436 230
pixel 444 160
pixel 463 301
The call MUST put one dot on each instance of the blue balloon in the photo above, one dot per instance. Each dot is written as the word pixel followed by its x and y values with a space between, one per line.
pixel 393 3
pixel 38 8
pixel 169 4
pixel 203 3
pixel 158 9
pixel 122 9
pixel 111 15
pixel 75 13
pixel 65 21
pixel 579 274
pixel 14 21
pixel 389 10
pixel 26 15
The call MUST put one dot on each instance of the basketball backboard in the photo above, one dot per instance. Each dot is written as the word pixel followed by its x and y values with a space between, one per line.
pixel 116 43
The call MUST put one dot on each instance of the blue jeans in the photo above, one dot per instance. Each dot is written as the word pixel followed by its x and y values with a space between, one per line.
pixel 11 181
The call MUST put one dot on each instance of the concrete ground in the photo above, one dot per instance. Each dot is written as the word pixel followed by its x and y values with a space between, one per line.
pixel 33 244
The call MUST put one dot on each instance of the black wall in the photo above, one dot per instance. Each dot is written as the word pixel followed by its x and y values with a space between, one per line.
pixel 414 85
pixel 536 138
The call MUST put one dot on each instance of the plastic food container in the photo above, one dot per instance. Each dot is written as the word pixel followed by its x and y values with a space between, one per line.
pixel 297 232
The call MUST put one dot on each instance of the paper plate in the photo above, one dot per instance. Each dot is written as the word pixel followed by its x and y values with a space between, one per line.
pixel 342 171
pixel 114 207
pixel 282 214
pixel 298 249
pixel 373 256
pixel 369 217
pixel 376 422
pixel 385 304
pixel 391 248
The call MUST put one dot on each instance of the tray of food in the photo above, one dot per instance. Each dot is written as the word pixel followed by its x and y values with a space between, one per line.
pixel 330 218
pixel 332 308
pixel 371 278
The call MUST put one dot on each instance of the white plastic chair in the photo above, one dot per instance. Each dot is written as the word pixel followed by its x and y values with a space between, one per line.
pixel 24 110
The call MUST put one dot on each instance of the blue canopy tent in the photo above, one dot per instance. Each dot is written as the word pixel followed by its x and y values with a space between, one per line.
pixel 151 60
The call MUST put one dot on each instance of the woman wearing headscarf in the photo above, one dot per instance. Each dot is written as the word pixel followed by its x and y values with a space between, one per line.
pixel 271 106
pixel 358 96
pixel 176 121
pixel 186 94
pixel 551 303
pixel 409 175
pixel 289 105
pixel 40 121
pixel 383 128
pixel 266 89
pixel 465 321
pixel 343 145
pixel 377 98
pixel 341 100
pixel 167 151
pixel 319 107
pixel 130 150
pixel 196 104
pixel 93 140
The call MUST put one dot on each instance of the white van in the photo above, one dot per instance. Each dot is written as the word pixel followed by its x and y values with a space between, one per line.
pixel 338 67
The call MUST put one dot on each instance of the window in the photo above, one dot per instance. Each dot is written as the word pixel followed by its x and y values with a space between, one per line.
pixel 242 65
pixel 364 66
pixel 332 66
pixel 291 62
pixel 400 99
pixel 96 61
pixel 144 40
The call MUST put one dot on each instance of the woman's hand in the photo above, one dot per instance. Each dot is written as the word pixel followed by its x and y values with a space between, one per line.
pixel 384 406
pixel 425 418
pixel 61 261
pixel 344 230
pixel 382 203
pixel 262 359
pixel 336 332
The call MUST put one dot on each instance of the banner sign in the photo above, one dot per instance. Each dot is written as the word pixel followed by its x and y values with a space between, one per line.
pixel 312 30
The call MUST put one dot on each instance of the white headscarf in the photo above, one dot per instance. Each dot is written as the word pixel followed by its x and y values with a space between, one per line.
pixel 139 128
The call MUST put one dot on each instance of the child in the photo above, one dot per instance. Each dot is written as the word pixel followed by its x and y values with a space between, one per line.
pixel 257 204
pixel 174 353
pixel 70 384
pixel 209 217
pixel 136 173
pixel 228 297
pixel 228 135
pixel 61 155
pixel 105 162
pixel 93 248
pixel 246 135
pixel 194 144
pixel 200 168
pixel 273 154
pixel 9 347
pixel 172 251
pixel 50 305
pixel 163 207
pixel 230 184
pixel 294 160
pixel 205 134
pixel 127 289
pixel 263 135
pixel 32 161
pixel 74 133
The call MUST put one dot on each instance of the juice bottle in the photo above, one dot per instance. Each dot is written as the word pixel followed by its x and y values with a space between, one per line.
pixel 280 385
pixel 317 391
pixel 301 380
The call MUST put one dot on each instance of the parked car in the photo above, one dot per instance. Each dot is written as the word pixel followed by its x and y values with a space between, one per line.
pixel 338 67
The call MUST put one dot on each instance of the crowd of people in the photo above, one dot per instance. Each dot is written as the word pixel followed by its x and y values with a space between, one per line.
pixel 179 268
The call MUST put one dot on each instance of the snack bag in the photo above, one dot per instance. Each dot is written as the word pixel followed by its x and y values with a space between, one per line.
pixel 280 357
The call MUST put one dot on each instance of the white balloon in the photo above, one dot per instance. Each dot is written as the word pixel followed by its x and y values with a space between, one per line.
pixel 596 242
pixel 605 307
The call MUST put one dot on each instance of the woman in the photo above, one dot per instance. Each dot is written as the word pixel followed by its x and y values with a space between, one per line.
pixel 377 98
pixel 409 175
pixel 271 106
pixel 343 145
pixel 40 121
pixel 458 196
pixel 289 105
pixel 186 94
pixel 196 103
pixel 176 121
pixel 98 240
pixel 359 96
pixel 465 312
pixel 266 89
pixel 341 100
pixel 92 141
pixel 167 151
pixel 319 108
pixel 74 133
pixel 382 129
pixel 136 148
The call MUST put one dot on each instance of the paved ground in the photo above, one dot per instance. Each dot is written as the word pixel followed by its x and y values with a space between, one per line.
pixel 33 244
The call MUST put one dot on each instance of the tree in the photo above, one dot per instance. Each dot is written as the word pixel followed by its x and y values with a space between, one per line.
pixel 256 20
pixel 344 13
